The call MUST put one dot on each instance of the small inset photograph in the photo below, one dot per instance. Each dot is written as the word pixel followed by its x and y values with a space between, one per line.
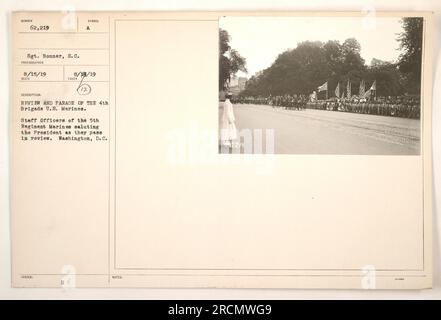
pixel 320 85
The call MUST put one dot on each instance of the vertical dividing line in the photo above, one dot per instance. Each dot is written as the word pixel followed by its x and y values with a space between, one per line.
pixel 114 144
pixel 109 163
pixel 422 130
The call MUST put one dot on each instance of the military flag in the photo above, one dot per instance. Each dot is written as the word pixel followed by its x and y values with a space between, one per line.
pixel 367 94
pixel 362 89
pixel 337 90
pixel 323 87
pixel 349 90
pixel 373 89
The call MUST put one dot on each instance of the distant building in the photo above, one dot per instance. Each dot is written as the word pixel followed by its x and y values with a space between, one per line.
pixel 237 84
pixel 242 81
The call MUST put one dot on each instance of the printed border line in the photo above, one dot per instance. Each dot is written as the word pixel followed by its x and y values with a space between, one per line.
pixel 422 116
pixel 218 275
pixel 238 269
pixel 109 164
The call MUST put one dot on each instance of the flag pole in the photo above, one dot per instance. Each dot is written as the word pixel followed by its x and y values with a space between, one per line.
pixel 375 81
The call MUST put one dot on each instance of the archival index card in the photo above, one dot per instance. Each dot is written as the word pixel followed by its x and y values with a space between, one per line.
pixel 183 150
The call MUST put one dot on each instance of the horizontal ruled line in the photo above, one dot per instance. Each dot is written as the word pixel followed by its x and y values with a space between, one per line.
pixel 227 275
pixel 256 269
pixel 62 32
pixel 165 19
pixel 71 81
pixel 61 65
pixel 63 48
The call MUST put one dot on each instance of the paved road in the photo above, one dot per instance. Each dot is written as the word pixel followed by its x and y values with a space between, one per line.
pixel 330 132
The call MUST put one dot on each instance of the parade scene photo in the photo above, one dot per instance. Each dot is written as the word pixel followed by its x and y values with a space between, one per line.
pixel 320 85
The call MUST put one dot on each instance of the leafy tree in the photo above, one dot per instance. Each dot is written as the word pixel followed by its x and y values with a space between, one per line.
pixel 388 77
pixel 351 45
pixel 294 71
pixel 334 56
pixel 411 40
pixel 302 69
pixel 230 61
pixel 352 59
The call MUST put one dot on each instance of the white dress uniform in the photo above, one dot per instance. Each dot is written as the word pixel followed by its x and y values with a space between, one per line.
pixel 228 131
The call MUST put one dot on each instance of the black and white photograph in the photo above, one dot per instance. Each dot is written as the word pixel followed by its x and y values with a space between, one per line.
pixel 320 85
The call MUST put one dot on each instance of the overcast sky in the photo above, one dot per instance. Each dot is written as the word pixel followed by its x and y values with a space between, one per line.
pixel 261 39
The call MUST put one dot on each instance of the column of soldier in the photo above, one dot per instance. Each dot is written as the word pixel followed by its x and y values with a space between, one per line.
pixel 404 107
pixel 286 101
